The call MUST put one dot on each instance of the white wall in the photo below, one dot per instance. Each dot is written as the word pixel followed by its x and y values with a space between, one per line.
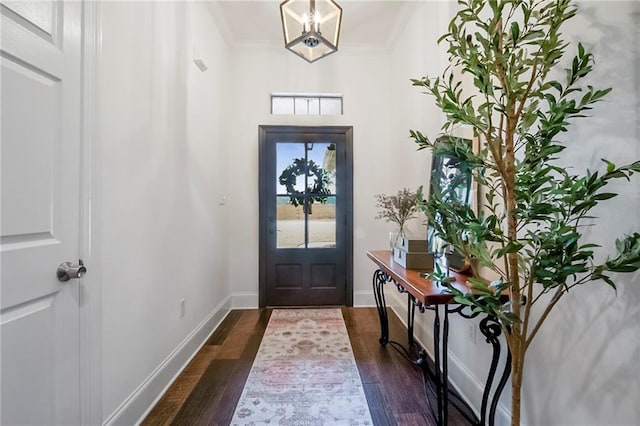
pixel 364 80
pixel 583 367
pixel 416 54
pixel 163 234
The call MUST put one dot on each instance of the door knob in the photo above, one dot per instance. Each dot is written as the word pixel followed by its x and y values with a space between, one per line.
pixel 67 271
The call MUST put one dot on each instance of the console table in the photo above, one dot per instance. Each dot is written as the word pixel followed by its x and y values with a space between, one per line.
pixel 424 294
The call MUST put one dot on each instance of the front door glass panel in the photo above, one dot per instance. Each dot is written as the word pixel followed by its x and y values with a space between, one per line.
pixel 305 195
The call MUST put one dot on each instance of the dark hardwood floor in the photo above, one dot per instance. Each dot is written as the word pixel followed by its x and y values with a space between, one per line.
pixel 207 391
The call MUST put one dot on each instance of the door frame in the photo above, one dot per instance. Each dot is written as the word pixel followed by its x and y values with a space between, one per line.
pixel 263 133
pixel 90 210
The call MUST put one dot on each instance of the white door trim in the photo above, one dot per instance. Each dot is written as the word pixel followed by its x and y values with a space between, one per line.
pixel 90 206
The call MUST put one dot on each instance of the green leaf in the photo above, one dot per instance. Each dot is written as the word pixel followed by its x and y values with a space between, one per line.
pixel 553 84
pixel 604 196
pixel 463 300
pixel 511 247
pixel 515 32
pixel 511 317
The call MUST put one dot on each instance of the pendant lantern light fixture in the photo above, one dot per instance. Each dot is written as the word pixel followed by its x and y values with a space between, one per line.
pixel 311 27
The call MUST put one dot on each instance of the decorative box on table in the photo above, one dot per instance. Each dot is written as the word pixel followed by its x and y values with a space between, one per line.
pixel 412 254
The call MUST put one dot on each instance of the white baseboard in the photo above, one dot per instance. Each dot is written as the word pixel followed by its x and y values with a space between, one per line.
pixel 364 299
pixel 467 384
pixel 136 407
pixel 251 300
pixel 244 300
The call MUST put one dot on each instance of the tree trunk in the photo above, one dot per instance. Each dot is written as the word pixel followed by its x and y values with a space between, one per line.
pixel 517 364
pixel 518 346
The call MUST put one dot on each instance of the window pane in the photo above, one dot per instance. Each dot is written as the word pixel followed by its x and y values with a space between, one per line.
pixel 286 154
pixel 322 224
pixel 289 224
pixel 301 106
pixel 321 166
pixel 329 165
pixel 316 162
pixel 331 106
pixel 313 106
pixel 307 106
pixel 281 105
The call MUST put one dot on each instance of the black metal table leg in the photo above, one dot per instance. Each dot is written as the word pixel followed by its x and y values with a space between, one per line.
pixel 491 330
pixel 506 372
pixel 411 314
pixel 379 280
pixel 436 360
pixel 445 368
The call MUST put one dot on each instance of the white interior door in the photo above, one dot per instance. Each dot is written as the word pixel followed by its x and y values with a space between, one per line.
pixel 41 131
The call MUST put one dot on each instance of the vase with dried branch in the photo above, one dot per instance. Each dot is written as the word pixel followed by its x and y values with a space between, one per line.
pixel 398 209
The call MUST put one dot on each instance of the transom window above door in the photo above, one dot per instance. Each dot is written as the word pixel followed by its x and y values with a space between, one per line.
pixel 306 104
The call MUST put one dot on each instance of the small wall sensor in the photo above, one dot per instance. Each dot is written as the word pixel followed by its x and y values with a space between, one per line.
pixel 198 60
pixel 200 64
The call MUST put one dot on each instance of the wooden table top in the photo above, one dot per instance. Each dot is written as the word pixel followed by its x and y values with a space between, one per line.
pixel 423 289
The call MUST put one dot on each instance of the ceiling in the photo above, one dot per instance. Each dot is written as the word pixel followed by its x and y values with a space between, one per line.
pixel 365 23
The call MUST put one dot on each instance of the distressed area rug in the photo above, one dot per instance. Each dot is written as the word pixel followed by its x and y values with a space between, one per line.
pixel 304 374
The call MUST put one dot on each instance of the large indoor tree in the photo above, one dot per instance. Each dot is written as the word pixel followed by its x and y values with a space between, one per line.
pixel 529 85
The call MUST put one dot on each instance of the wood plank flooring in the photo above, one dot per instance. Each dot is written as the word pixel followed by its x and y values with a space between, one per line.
pixel 207 391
